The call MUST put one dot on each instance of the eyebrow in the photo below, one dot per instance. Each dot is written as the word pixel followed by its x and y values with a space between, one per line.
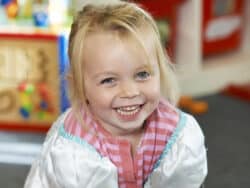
pixel 111 73
pixel 108 73
pixel 148 66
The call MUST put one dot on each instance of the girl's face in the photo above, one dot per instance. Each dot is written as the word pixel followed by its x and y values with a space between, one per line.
pixel 121 89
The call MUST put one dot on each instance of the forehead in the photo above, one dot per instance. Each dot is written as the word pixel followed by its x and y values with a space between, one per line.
pixel 103 49
pixel 105 53
pixel 109 42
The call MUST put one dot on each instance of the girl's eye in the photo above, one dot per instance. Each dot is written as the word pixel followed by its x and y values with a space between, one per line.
pixel 143 75
pixel 108 81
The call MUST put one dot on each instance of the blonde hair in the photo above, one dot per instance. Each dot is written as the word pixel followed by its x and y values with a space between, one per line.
pixel 125 19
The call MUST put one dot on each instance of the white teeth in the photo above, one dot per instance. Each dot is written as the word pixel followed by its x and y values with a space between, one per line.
pixel 129 110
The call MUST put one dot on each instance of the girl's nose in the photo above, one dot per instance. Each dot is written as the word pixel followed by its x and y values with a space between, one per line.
pixel 129 89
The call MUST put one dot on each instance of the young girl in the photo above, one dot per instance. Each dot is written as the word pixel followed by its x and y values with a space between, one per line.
pixel 121 131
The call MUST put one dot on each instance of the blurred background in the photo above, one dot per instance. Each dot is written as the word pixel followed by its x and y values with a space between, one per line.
pixel 207 40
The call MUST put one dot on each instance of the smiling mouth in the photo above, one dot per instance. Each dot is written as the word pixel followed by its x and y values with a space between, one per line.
pixel 128 110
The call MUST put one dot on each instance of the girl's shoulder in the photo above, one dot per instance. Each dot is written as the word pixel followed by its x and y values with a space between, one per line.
pixel 59 137
pixel 65 158
pixel 187 128
pixel 192 132
pixel 187 133
pixel 183 162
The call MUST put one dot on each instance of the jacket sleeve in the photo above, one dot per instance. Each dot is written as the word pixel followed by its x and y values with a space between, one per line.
pixel 68 165
pixel 185 162
pixel 41 173
pixel 67 161
pixel 39 178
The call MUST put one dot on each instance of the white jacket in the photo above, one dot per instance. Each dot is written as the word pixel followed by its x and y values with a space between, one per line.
pixel 68 161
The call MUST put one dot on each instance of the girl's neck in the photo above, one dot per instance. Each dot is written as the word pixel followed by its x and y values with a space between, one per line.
pixel 134 139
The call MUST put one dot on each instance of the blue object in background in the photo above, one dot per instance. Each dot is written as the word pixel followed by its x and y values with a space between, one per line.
pixel 40 19
pixel 43 105
pixel 40 15
pixel 4 2
pixel 63 66
pixel 24 113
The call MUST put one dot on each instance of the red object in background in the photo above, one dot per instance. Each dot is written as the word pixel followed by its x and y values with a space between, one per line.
pixel 238 91
pixel 164 10
pixel 222 25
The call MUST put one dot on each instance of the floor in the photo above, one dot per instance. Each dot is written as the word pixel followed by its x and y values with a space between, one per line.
pixel 227 130
pixel 17 151
pixel 226 127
